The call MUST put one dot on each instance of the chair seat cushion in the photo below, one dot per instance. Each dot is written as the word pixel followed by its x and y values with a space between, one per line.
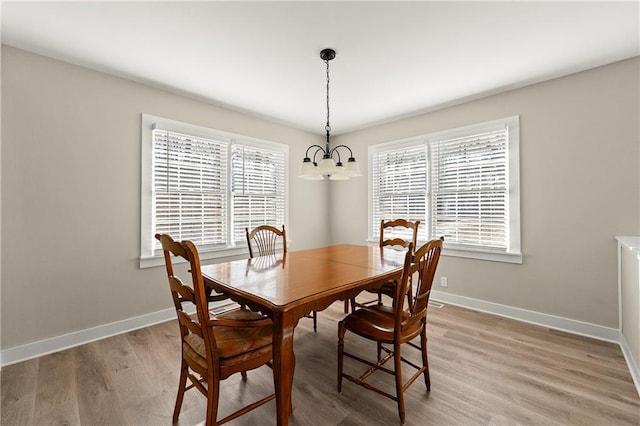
pixel 240 314
pixel 199 363
pixel 377 323
pixel 388 288
pixel 234 344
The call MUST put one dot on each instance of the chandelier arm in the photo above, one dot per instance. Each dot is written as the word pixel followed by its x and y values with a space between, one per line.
pixel 319 148
pixel 337 153
pixel 314 146
pixel 342 146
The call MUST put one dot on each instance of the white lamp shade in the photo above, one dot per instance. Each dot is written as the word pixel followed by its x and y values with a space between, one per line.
pixel 307 169
pixel 313 177
pixel 352 169
pixel 339 174
pixel 327 166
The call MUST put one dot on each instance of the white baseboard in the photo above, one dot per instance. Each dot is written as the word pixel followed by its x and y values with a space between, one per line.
pixel 59 343
pixel 631 362
pixel 54 344
pixel 546 320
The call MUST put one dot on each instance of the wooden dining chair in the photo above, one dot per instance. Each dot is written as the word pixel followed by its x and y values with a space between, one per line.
pixel 394 326
pixel 213 347
pixel 397 232
pixel 265 239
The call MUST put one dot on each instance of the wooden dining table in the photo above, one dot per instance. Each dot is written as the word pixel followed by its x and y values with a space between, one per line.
pixel 287 286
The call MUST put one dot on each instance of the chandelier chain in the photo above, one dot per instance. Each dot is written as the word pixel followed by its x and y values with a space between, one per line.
pixel 328 126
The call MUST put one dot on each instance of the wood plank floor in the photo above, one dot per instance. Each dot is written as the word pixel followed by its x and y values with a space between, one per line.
pixel 485 370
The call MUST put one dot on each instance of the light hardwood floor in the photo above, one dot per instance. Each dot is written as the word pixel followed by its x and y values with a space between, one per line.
pixel 485 370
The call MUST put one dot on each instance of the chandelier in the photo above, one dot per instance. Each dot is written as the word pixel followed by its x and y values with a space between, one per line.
pixel 336 170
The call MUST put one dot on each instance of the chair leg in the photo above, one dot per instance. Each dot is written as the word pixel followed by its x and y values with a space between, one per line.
pixel 379 347
pixel 341 331
pixel 213 390
pixel 244 375
pixel 425 358
pixel 346 306
pixel 398 373
pixel 184 370
pixel 315 321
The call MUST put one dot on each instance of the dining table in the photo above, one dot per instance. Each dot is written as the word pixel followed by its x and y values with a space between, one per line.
pixel 288 286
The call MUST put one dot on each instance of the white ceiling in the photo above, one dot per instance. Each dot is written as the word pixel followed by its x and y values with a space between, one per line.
pixel 394 59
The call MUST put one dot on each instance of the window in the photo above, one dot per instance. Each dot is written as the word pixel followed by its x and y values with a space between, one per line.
pixel 257 188
pixel 399 190
pixel 207 186
pixel 462 184
pixel 189 188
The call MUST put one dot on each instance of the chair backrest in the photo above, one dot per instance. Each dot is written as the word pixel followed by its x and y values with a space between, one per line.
pixel 265 238
pixel 188 294
pixel 424 262
pixel 411 227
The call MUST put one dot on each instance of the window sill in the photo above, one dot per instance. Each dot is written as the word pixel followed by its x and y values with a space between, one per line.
pixel 472 254
pixel 484 255
pixel 222 254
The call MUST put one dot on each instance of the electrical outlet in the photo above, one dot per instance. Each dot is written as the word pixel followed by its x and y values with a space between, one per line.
pixel 444 282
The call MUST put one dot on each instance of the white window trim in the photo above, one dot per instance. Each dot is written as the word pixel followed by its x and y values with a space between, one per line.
pixel 147 259
pixel 513 254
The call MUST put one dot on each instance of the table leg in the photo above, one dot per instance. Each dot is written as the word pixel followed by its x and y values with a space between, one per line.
pixel 283 364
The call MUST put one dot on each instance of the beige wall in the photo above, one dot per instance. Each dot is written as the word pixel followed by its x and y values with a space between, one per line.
pixel 71 194
pixel 580 185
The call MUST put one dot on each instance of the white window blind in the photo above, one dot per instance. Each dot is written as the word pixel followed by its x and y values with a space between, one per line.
pixel 462 184
pixel 399 188
pixel 257 188
pixel 206 186
pixel 469 198
pixel 189 188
